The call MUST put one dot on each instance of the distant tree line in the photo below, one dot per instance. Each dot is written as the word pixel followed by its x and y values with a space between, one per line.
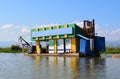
pixel 112 50
pixel 13 49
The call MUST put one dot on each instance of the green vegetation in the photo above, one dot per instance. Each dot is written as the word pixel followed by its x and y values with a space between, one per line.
pixel 112 50
pixel 18 49
pixel 13 49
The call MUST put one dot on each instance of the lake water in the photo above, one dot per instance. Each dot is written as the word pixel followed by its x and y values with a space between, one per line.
pixel 18 66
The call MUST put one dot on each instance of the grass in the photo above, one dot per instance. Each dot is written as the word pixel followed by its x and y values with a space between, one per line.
pixel 109 50
pixel 112 50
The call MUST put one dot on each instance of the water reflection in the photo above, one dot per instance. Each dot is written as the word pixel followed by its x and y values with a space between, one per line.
pixel 70 67
pixel 92 68
pixel 35 67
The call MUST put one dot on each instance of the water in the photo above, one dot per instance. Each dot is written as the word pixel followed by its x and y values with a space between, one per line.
pixel 18 66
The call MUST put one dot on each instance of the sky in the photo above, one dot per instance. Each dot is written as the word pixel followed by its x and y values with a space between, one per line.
pixel 18 17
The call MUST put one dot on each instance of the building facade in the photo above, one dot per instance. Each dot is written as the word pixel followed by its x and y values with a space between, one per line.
pixel 64 38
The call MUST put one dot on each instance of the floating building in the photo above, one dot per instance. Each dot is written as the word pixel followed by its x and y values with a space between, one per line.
pixel 68 38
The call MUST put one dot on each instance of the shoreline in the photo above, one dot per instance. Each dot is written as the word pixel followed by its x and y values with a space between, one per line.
pixel 66 55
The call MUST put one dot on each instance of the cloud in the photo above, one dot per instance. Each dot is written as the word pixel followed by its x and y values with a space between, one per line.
pixel 103 32
pixel 47 25
pixel 25 30
pixel 115 32
pixel 111 35
pixel 11 32
pixel 97 27
pixel 114 35
pixel 106 25
pixel 7 26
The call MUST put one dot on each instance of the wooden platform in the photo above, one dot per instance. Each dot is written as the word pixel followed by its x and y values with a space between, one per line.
pixel 65 54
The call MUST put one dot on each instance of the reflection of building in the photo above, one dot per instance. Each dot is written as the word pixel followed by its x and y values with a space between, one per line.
pixel 75 65
pixel 69 67
pixel 71 38
pixel 92 68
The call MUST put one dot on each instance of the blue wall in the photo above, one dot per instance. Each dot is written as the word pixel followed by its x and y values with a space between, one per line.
pixel 84 46
pixel 100 44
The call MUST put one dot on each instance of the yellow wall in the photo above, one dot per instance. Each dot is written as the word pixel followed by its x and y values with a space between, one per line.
pixel 38 50
pixel 75 45
pixel 55 46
